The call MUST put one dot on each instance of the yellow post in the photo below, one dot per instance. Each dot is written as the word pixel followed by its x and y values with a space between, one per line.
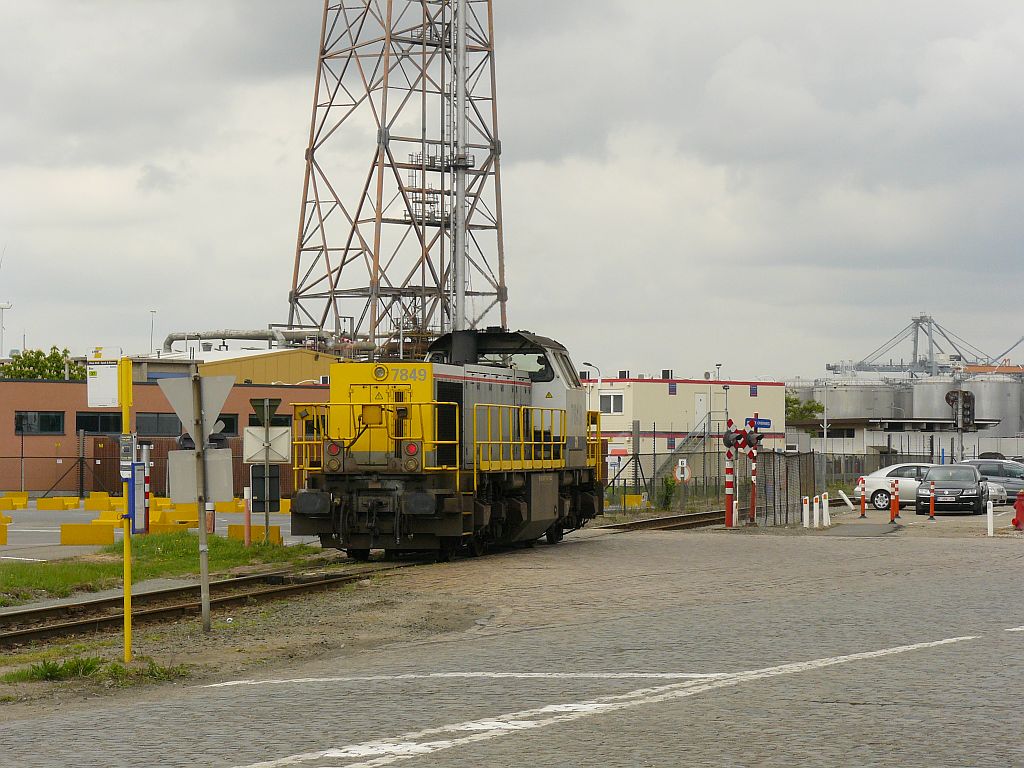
pixel 126 521
pixel 124 396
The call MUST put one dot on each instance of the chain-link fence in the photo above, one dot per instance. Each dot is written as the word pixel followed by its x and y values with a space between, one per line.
pixel 783 479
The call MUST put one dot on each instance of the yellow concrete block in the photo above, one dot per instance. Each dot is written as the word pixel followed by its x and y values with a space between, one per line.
pixel 109 516
pixel 72 502
pixel 119 504
pixel 165 527
pixel 5 520
pixel 239 505
pixel 3 534
pixel 78 534
pixel 238 532
pixel 159 502
pixel 224 506
pixel 51 504
pixel 23 495
pixel 634 501
pixel 6 505
pixel 99 504
pixel 20 503
pixel 99 495
pixel 286 507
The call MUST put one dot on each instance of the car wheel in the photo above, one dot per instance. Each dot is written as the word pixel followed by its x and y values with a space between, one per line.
pixel 881 500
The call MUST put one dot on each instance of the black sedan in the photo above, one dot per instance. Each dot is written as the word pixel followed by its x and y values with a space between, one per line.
pixel 958 487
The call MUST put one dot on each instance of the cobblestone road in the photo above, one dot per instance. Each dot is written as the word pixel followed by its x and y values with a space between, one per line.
pixel 647 649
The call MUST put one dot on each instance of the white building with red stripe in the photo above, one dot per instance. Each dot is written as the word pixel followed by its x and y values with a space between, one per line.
pixel 666 413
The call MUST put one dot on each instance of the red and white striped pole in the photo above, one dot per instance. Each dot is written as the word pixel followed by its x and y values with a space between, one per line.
pixel 729 477
pixel 728 486
pixel 753 476
pixel 146 474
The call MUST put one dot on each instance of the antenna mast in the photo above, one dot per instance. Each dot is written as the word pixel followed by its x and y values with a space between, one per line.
pixel 408 245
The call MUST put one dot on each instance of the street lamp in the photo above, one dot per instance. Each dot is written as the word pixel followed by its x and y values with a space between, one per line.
pixel 4 306
pixel 591 365
pixel 725 388
pixel 152 323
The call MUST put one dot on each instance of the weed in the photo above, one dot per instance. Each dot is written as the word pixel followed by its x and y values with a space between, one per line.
pixel 8 699
pixel 82 667
pixel 47 670
pixel 122 676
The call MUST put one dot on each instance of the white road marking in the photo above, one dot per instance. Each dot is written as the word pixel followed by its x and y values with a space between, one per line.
pixel 1014 629
pixel 484 676
pixel 33 530
pixel 26 559
pixel 388 751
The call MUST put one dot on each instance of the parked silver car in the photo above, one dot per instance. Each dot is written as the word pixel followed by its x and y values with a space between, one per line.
pixel 1009 474
pixel 877 484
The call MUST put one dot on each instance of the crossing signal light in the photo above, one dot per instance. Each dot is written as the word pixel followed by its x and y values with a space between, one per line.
pixel 732 438
pixel 754 439
pixel 967 410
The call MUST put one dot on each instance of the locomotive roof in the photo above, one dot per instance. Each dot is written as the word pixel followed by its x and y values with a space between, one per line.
pixel 500 340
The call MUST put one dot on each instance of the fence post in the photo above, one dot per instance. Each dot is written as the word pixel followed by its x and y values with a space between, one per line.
pixel 805 515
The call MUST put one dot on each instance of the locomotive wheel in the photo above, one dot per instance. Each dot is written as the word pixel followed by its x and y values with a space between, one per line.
pixel 554 534
pixel 447 549
pixel 362 555
pixel 475 546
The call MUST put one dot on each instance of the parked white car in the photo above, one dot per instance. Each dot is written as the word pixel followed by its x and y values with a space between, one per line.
pixel 997 493
pixel 907 476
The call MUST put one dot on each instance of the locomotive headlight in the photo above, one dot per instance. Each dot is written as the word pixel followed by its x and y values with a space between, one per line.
pixel 334 465
pixel 412 449
pixel 380 373
pixel 411 465
pixel 333 448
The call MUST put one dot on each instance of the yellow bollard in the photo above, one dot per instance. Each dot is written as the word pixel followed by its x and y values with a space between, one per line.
pixel 127 528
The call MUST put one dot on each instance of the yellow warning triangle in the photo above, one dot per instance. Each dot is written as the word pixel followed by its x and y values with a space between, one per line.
pixel 548 395
pixel 380 396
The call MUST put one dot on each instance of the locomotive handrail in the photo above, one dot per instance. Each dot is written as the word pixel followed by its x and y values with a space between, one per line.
pixel 312 425
pixel 504 445
pixel 595 458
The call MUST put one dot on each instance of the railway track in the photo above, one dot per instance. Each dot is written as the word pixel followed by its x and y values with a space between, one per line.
pixel 22 626
pixel 671 522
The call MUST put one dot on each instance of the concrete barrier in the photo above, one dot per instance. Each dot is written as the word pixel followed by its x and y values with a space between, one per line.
pixel 5 520
pixel 3 534
pixel 51 504
pixel 98 503
pixel 71 502
pixel 108 517
pixel 225 506
pixel 238 532
pixel 286 507
pixel 79 534
pixel 6 505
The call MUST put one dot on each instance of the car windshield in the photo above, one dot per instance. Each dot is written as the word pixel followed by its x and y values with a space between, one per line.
pixel 956 474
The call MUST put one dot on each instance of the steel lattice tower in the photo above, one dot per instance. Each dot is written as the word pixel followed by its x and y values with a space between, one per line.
pixel 379 232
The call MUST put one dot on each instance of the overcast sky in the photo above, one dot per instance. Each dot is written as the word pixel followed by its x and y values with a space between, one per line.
pixel 772 186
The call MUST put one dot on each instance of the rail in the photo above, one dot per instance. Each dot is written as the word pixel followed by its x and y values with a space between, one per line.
pixel 375 427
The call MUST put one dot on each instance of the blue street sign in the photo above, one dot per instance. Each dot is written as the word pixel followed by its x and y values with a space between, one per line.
pixel 760 423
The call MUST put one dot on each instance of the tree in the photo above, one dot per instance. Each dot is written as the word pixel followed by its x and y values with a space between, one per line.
pixel 798 410
pixel 37 364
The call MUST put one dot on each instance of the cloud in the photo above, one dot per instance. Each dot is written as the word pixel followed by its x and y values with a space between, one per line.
pixel 769 185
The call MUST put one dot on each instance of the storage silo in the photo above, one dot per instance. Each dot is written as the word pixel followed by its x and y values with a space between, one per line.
pixel 997 397
pixel 930 398
pixel 858 401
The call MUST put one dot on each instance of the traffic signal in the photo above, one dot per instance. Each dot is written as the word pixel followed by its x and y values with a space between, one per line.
pixel 754 440
pixel 732 438
pixel 967 410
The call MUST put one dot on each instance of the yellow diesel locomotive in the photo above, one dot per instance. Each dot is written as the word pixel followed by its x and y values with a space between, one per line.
pixel 486 441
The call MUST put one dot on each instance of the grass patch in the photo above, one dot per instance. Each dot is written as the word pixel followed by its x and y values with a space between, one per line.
pixel 53 671
pixel 162 555
pixel 111 673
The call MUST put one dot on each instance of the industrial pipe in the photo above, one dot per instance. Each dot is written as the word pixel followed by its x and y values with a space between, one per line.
pixel 282 336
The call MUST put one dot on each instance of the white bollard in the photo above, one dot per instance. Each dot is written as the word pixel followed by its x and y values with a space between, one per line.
pixel 817 512
pixel 826 518
pixel 991 520
pixel 805 512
